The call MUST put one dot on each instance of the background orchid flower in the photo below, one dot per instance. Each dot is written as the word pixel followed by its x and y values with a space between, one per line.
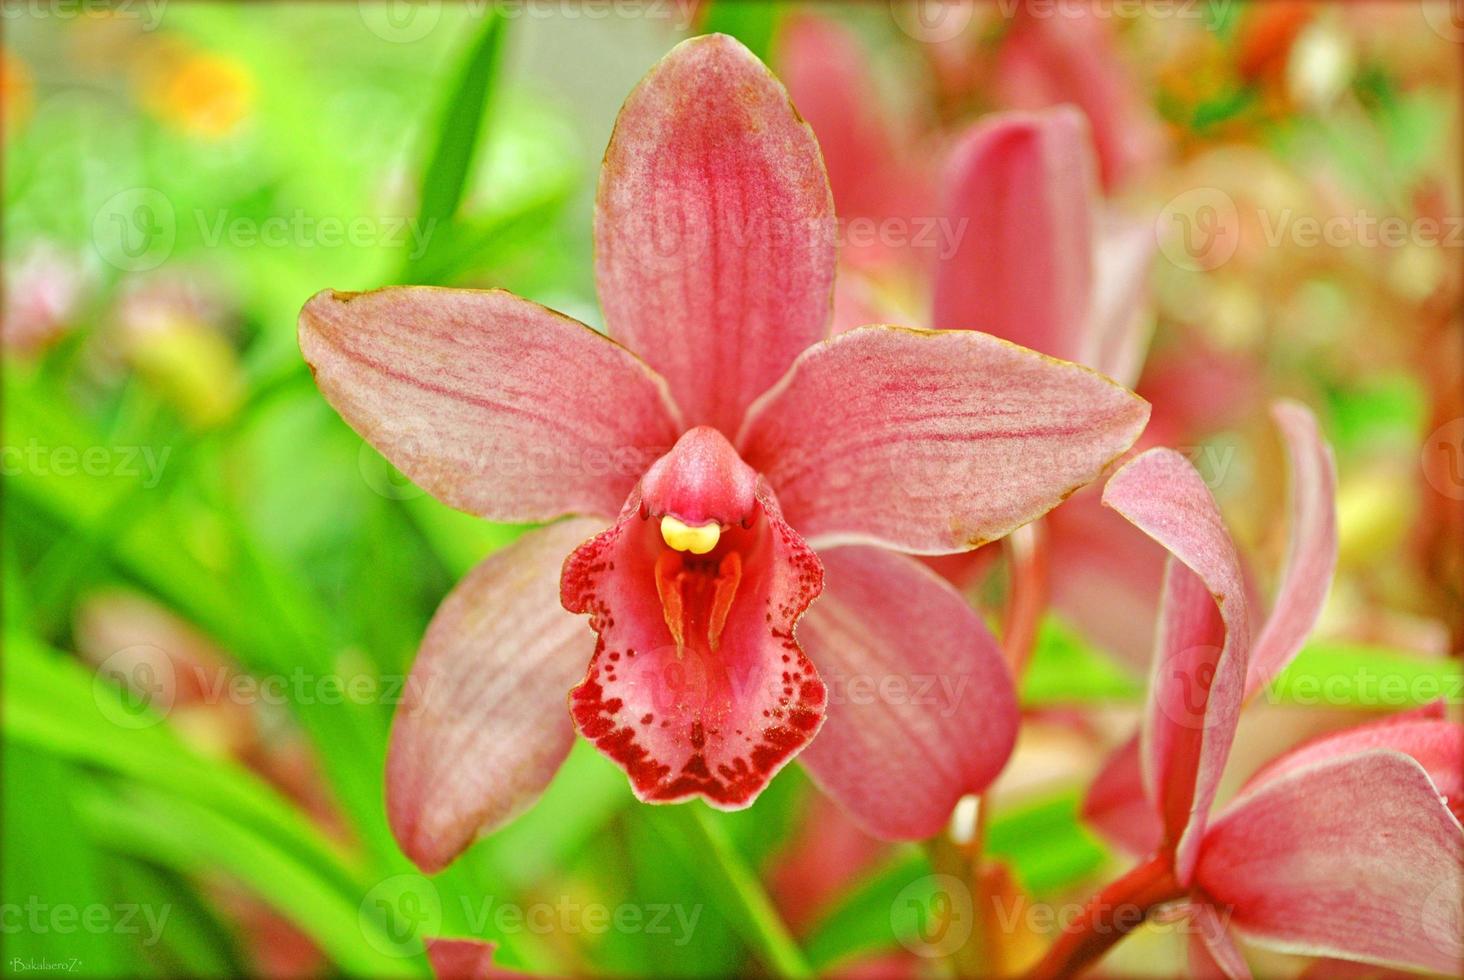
pixel 1117 804
pixel 1349 847
pixel 744 465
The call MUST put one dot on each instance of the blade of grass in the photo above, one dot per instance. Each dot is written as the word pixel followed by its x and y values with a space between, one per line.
pixel 704 845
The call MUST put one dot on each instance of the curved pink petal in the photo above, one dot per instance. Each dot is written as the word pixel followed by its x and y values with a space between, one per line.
pixel 1423 735
pixel 1117 805
pixel 697 686
pixel 932 442
pixel 1213 955
pixel 1021 187
pixel 1198 679
pixel 1352 857
pixel 493 404
pixel 1312 551
pixel 1118 326
pixel 921 704
pixel 483 726
pixel 714 229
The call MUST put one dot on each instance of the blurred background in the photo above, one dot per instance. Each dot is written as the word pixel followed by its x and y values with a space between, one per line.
pixel 213 589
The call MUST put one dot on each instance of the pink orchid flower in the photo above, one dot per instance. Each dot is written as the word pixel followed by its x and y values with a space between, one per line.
pixel 1349 847
pixel 1068 55
pixel 744 464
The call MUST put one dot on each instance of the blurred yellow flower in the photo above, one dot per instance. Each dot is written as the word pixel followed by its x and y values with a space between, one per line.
pixel 204 94
pixel 15 91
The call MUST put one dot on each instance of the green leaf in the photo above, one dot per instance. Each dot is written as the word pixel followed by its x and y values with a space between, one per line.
pixel 1065 669
pixel 872 916
pixel 445 179
pixel 1340 675
pixel 753 22
pixel 702 843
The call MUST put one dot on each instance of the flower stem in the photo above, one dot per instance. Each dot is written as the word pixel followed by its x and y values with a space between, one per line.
pixel 1026 554
pixel 1109 916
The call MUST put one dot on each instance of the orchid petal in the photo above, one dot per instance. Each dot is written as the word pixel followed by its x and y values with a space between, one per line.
pixel 1117 332
pixel 1021 188
pixel 922 708
pixel 1353 857
pixel 685 715
pixel 1117 805
pixel 714 229
pixel 1312 552
pixel 1198 679
pixel 493 404
pixel 1422 734
pixel 483 726
pixel 1213 955
pixel 932 442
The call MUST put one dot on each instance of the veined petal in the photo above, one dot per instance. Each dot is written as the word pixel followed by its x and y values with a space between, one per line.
pixel 1117 805
pixel 714 229
pixel 1352 857
pixel 493 404
pixel 716 707
pixel 482 726
pixel 1198 679
pixel 1312 552
pixel 921 708
pixel 1423 734
pixel 1022 190
pixel 1117 332
pixel 932 441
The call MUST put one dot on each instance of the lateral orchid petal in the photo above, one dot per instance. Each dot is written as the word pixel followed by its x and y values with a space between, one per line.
pixel 714 229
pixel 1353 856
pixel 1312 551
pixel 493 404
pixel 1198 680
pixel 922 708
pixel 482 728
pixel 697 686
pixel 1021 187
pixel 932 442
